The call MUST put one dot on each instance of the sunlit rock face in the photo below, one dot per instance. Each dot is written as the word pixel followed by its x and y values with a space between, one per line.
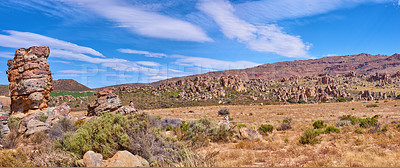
pixel 30 79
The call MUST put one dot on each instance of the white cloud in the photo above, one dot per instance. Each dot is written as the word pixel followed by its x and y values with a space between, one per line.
pixel 8 55
pixel 150 24
pixel 158 77
pixel 17 39
pixel 265 38
pixel 273 10
pixel 213 63
pixel 58 61
pixel 146 53
pixel 120 75
pixel 398 3
pixel 148 63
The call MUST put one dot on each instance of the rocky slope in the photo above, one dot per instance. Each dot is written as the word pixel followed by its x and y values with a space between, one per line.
pixel 336 65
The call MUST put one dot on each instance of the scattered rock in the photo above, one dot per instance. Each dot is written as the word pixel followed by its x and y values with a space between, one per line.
pixel 248 133
pixel 92 159
pixel 30 79
pixel 223 111
pixel 125 159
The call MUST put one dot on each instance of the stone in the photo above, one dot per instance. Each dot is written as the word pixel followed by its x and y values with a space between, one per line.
pixel 92 159
pixel 60 112
pixel 4 129
pixel 125 159
pixel 30 79
pixel 248 133
pixel 31 124
pixel 124 110
pixel 106 101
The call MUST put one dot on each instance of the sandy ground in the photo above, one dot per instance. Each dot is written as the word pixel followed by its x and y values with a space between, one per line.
pixel 5 100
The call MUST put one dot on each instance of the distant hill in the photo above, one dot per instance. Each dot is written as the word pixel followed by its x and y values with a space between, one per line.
pixel 68 85
pixel 360 64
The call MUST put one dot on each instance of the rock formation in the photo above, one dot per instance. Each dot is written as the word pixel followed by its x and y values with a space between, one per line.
pixel 30 79
pixel 107 101
pixel 4 123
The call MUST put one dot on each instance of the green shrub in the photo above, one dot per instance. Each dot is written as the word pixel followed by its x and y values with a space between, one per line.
pixel 319 124
pixel 359 131
pixel 266 128
pixel 242 126
pixel 287 121
pixel 139 134
pixel 372 105
pixel 398 126
pixel 79 123
pixel 330 129
pixel 352 108
pixel 250 114
pixel 43 118
pixel 279 114
pixel 309 137
pixel 341 99
pixel 368 122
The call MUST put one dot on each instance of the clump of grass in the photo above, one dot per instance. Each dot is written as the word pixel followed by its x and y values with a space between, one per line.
pixel 341 99
pixel 332 129
pixel 242 125
pixel 309 137
pixel 266 128
pixel 319 124
pixel 223 111
pixel 372 105
pixel 279 114
pixel 43 118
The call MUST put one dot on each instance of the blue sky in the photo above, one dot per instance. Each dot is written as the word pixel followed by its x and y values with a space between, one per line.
pixel 108 42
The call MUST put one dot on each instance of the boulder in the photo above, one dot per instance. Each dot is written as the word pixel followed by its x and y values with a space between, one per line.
pixel 106 101
pixel 92 159
pixel 248 133
pixel 125 159
pixel 127 110
pixel 60 112
pixel 31 124
pixel 4 123
pixel 30 79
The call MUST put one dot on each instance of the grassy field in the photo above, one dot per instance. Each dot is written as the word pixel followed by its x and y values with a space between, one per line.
pixel 353 146
pixel 74 94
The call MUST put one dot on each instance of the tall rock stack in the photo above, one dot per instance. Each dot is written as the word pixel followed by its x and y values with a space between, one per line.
pixel 30 79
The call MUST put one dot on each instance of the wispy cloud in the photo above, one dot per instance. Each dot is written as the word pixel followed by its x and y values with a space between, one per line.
pixel 262 38
pixel 17 39
pixel 204 63
pixel 274 10
pixel 8 55
pixel 146 23
pixel 58 61
pixel 146 53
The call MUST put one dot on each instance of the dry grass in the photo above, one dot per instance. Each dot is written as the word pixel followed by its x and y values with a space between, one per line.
pixel 346 148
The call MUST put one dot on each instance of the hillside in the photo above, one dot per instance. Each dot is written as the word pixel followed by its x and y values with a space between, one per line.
pixel 335 65
pixel 68 85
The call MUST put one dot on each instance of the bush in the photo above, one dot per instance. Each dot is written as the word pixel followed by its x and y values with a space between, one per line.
pixel 284 126
pixel 343 123
pixel 319 124
pixel 16 158
pixel 341 99
pixel 309 137
pixel 139 134
pixel 287 121
pixel 368 122
pixel 266 128
pixel 43 118
pixel 223 111
pixel 330 129
pixel 372 105
pixel 242 126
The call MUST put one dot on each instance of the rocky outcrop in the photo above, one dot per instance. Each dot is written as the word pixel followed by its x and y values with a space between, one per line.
pixel 59 112
pixel 125 159
pixel 378 77
pixel 30 79
pixel 106 101
pixel 92 159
